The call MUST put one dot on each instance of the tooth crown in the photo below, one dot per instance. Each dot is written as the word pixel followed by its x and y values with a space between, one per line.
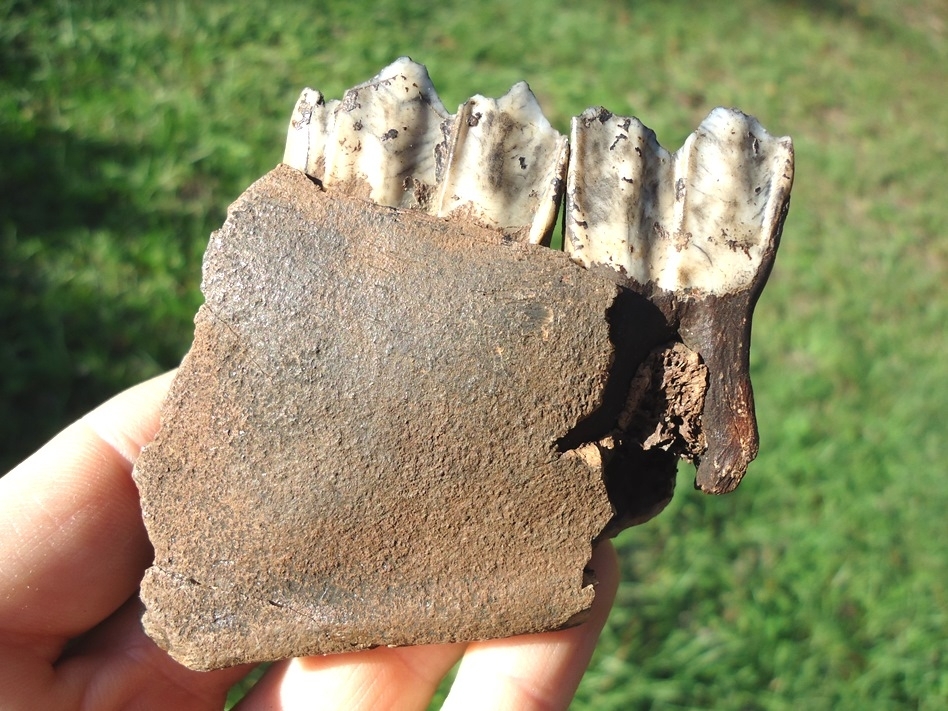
pixel 382 140
pixel 696 221
pixel 498 162
pixel 506 165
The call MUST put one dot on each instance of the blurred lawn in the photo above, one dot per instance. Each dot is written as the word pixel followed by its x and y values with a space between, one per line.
pixel 125 131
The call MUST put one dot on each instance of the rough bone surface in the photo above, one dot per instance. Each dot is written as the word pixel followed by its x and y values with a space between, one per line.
pixel 403 420
pixel 369 425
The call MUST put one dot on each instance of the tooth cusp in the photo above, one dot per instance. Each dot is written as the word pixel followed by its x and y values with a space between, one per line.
pixel 311 124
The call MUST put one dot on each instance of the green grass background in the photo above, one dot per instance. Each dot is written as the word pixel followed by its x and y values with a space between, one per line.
pixel 127 128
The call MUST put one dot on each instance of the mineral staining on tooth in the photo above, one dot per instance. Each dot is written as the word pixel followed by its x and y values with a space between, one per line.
pixel 382 139
pixel 698 221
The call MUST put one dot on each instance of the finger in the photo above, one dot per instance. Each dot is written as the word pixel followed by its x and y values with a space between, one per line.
pixel 538 671
pixel 389 679
pixel 116 666
pixel 72 543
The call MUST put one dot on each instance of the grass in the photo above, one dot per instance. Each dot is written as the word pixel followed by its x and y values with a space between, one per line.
pixel 823 582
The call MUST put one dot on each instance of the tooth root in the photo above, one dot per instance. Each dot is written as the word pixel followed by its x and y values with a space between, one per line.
pixel 506 165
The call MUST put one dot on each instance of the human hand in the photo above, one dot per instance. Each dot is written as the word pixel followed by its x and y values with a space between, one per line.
pixel 72 553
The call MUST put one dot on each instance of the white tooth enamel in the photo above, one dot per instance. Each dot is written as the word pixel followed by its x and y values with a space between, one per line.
pixel 697 221
pixel 310 125
pixel 498 162
pixel 385 134
pixel 381 140
pixel 506 165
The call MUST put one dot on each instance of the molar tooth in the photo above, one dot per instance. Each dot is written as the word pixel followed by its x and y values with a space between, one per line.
pixel 385 135
pixel 380 141
pixel 614 195
pixel 498 162
pixel 732 182
pixel 699 220
pixel 696 232
pixel 506 165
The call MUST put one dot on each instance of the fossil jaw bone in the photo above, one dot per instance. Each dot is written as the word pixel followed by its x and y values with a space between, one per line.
pixel 403 429
pixel 695 231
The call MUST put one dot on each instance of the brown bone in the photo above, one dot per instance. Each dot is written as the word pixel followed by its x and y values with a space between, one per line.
pixel 375 438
